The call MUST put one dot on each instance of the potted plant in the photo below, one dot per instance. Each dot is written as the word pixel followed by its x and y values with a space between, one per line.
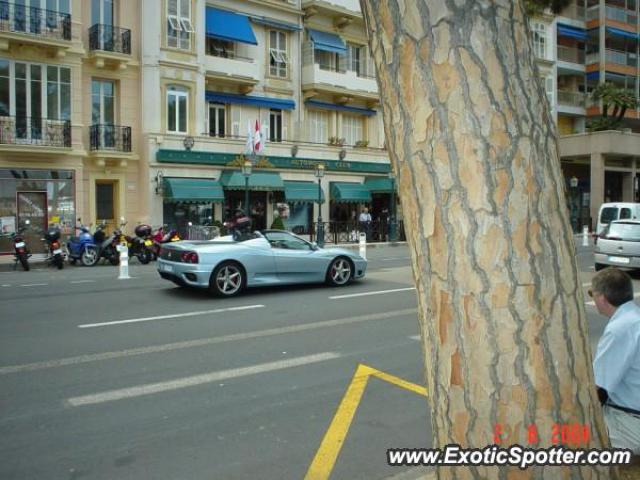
pixel 362 144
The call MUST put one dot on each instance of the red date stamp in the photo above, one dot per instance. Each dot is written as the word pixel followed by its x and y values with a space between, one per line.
pixel 568 434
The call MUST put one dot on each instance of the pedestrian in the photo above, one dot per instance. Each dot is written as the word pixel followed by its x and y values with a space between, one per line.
pixel 365 222
pixel 617 361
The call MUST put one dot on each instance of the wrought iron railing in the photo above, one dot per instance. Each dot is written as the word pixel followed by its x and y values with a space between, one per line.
pixel 349 232
pixel 201 232
pixel 110 137
pixel 19 130
pixel 34 21
pixel 110 39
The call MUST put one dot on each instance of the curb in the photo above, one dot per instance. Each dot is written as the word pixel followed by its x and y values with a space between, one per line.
pixel 369 245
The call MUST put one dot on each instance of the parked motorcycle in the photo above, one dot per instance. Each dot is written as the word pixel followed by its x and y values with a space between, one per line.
pixel 54 249
pixel 21 252
pixel 141 245
pixel 164 235
pixel 86 247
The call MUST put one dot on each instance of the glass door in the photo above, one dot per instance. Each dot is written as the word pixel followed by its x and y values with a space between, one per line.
pixel 32 216
pixel 102 15
pixel 103 113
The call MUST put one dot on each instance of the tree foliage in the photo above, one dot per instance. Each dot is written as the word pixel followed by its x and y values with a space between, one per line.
pixel 619 100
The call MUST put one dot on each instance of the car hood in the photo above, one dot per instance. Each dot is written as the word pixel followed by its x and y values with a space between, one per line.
pixel 342 251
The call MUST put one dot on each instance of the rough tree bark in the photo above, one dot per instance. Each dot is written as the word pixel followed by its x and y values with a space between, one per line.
pixel 471 138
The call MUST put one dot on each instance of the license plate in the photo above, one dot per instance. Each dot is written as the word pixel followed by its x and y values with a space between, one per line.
pixel 619 259
pixel 148 243
pixel 20 245
pixel 57 251
pixel 166 268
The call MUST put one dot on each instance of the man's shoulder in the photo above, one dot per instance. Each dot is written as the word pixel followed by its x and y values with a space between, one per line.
pixel 627 320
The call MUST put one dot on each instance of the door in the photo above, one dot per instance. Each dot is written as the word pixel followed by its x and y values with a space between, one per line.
pixel 32 215
pixel 296 262
pixel 106 204
pixel 103 113
pixel 102 15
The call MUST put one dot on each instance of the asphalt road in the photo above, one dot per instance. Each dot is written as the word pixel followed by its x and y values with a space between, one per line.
pixel 103 378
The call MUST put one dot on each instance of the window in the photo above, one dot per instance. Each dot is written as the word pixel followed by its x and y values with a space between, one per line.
pixel 275 125
pixel 177 111
pixel 539 39
pixel 327 60
pixel 318 127
pixel 278 59
pixel 217 119
pixel 105 201
pixel 355 58
pixel 220 48
pixel 352 129
pixel 286 241
pixel 179 26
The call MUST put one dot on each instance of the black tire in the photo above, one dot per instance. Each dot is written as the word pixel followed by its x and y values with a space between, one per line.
pixel 144 258
pixel 599 266
pixel 340 272
pixel 90 257
pixel 114 260
pixel 24 261
pixel 57 260
pixel 230 286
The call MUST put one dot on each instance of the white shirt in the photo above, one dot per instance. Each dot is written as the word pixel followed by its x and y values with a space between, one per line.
pixel 365 217
pixel 617 362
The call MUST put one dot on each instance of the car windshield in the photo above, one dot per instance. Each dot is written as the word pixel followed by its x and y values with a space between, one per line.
pixel 286 241
pixel 608 214
pixel 625 231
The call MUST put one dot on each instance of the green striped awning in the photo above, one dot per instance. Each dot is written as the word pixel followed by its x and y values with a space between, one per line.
pixel 261 181
pixel 301 191
pixel 192 190
pixel 350 192
pixel 379 184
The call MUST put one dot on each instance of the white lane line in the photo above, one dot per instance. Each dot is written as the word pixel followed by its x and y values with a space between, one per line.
pixel 393 258
pixel 365 294
pixel 593 304
pixel 151 388
pixel 203 342
pixel 6 285
pixel 82 281
pixel 415 337
pixel 34 284
pixel 164 317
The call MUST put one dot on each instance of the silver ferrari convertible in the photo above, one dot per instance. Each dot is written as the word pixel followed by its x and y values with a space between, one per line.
pixel 272 257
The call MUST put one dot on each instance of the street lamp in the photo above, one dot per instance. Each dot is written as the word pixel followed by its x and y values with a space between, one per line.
pixel 246 171
pixel 319 173
pixel 392 222
pixel 574 202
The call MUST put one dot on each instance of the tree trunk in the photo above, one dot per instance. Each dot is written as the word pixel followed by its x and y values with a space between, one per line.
pixel 472 141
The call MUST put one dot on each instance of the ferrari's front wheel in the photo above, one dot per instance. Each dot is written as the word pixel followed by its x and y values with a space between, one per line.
pixel 340 272
pixel 227 279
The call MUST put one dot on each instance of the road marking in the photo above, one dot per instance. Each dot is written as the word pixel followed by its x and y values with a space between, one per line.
pixel 6 285
pixel 393 258
pixel 327 454
pixel 202 342
pixel 415 337
pixel 593 304
pixel 83 281
pixel 34 284
pixel 365 294
pixel 192 381
pixel 164 317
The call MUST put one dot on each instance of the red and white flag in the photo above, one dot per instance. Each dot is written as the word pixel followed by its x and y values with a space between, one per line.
pixel 257 139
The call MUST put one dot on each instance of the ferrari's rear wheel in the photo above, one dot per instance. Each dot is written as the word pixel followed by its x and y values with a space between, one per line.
pixel 340 272
pixel 227 280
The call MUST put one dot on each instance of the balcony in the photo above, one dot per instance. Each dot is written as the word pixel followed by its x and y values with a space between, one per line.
pixel 574 11
pixel 571 98
pixel 19 130
pixel 110 46
pixel 230 67
pixel 571 55
pixel 621 58
pixel 22 24
pixel 341 12
pixel 114 138
pixel 621 15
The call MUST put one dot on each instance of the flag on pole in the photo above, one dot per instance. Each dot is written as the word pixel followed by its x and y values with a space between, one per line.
pixel 257 139
pixel 249 145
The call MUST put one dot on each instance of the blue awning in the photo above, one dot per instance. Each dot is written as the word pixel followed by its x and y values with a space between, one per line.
pixel 229 26
pixel 573 32
pixel 622 33
pixel 593 75
pixel 327 42
pixel 275 23
pixel 265 102
pixel 616 76
pixel 344 108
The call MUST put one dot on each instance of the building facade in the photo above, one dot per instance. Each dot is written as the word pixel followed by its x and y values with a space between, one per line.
pixel 300 74
pixel 69 115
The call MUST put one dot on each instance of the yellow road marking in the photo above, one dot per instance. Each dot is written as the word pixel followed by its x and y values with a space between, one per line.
pixel 327 454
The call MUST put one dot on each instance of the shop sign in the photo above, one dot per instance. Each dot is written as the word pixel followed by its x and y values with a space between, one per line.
pixel 223 159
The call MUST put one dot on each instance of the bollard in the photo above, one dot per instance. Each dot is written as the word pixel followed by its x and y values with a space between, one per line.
pixel 124 262
pixel 363 245
pixel 585 236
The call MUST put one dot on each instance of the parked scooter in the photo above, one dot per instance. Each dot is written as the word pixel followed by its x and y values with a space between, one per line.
pixel 141 245
pixel 164 235
pixel 85 247
pixel 54 249
pixel 21 252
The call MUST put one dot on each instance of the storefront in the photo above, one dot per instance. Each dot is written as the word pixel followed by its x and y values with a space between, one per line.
pixel 191 201
pixel 35 200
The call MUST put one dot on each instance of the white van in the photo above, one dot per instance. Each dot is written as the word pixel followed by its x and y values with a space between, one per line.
pixel 616 211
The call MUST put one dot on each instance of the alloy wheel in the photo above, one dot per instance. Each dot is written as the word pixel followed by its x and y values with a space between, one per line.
pixel 340 271
pixel 229 280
